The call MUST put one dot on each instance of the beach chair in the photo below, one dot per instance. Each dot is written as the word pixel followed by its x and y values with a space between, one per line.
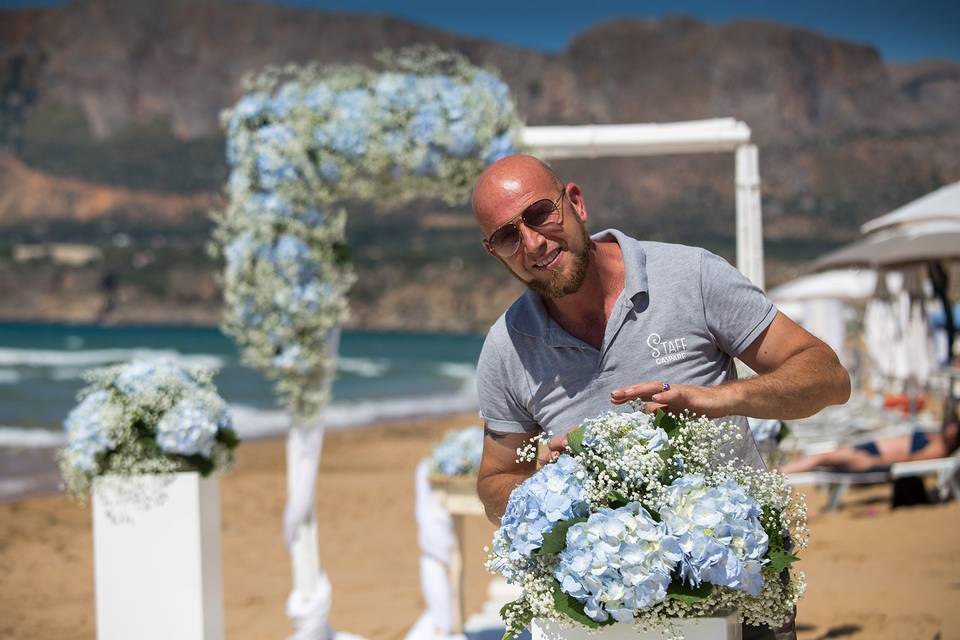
pixel 946 469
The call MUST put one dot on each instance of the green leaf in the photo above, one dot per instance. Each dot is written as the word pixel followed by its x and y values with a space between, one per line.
pixel 783 433
pixel 780 560
pixel 575 440
pixel 666 422
pixel 228 438
pixel 616 500
pixel 201 464
pixel 521 615
pixel 573 608
pixel 770 519
pixel 555 540
pixel 688 593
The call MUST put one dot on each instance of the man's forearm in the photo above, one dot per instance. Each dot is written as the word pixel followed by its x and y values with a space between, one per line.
pixel 494 491
pixel 803 385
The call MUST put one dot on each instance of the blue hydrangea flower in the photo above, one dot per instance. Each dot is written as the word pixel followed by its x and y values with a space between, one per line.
pixel 629 430
pixel 428 162
pixel 248 109
pixel 490 83
pixel 499 147
pixel 286 99
pixel 396 91
pixel 319 97
pixel 720 534
pixel 145 378
pixel 269 205
pixel 427 123
pixel 238 253
pixel 88 428
pixel 292 259
pixel 458 453
pixel 329 170
pixel 190 426
pixel 290 357
pixel 451 94
pixel 618 561
pixel 463 139
pixel 553 494
pixel 273 166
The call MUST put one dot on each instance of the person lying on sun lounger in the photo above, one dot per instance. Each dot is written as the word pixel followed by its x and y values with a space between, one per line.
pixel 883 452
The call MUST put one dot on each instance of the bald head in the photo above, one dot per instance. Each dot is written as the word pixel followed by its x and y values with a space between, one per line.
pixel 507 186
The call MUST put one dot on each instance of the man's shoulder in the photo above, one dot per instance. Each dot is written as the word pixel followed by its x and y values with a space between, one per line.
pixel 670 250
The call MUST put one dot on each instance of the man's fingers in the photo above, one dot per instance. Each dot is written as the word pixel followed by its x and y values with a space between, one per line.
pixel 557 443
pixel 636 391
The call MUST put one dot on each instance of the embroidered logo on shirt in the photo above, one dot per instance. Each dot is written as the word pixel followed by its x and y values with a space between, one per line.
pixel 664 351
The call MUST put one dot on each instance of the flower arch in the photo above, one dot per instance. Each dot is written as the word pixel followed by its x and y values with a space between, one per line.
pixel 302 141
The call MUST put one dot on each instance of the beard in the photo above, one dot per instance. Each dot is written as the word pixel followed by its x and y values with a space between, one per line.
pixel 559 284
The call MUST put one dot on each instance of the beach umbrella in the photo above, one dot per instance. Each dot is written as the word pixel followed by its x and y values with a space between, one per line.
pixel 942 204
pixel 900 246
pixel 821 302
pixel 854 285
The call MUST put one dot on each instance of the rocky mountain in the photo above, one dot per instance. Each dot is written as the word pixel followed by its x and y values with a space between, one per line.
pixel 109 124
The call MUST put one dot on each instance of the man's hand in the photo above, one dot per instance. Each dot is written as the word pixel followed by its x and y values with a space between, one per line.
pixel 707 401
pixel 555 446
pixel 798 375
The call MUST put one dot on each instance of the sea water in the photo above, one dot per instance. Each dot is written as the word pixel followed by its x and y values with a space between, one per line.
pixel 380 376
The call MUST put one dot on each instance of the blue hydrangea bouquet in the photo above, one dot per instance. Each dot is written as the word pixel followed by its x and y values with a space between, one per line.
pixel 643 521
pixel 146 417
pixel 458 454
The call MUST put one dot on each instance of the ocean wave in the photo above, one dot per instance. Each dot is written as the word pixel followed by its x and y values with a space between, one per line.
pixel 10 376
pixel 457 370
pixel 98 357
pixel 363 367
pixel 253 422
pixel 24 438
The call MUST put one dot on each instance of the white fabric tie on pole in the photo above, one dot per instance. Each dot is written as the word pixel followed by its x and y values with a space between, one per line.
pixel 308 604
pixel 436 538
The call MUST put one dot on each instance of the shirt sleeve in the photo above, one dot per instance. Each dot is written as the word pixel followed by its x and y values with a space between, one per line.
pixel 735 310
pixel 500 407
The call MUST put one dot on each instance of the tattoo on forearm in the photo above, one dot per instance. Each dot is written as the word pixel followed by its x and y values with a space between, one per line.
pixel 493 435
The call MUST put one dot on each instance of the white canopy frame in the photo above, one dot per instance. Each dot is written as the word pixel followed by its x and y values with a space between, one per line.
pixel 716 135
pixel 310 600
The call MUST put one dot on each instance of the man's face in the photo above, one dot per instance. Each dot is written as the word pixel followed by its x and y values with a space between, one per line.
pixel 553 264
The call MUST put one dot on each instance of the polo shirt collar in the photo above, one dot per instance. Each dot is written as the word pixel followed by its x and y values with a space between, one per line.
pixel 530 317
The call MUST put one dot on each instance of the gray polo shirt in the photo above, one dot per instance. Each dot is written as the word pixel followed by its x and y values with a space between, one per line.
pixel 683 314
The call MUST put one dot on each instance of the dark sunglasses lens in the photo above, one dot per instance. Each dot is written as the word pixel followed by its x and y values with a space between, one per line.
pixel 505 240
pixel 540 213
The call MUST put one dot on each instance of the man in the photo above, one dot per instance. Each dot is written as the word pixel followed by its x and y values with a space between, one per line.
pixel 610 319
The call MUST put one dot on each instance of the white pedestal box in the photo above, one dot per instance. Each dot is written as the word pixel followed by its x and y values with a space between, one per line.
pixel 157 563
pixel 692 628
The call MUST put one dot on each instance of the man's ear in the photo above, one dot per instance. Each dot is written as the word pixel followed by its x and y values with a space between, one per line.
pixel 486 245
pixel 575 195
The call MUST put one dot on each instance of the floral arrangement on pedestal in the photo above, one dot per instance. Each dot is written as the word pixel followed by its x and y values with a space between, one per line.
pixel 643 521
pixel 305 139
pixel 146 417
pixel 458 454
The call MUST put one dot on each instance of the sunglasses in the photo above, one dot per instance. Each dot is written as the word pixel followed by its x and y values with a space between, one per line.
pixel 543 216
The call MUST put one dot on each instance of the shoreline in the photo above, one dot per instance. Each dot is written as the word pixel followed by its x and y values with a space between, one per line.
pixel 31 471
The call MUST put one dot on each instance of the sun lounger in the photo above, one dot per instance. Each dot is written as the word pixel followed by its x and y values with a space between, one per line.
pixel 837 482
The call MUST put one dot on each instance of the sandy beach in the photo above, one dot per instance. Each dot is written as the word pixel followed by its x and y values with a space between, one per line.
pixel 872 573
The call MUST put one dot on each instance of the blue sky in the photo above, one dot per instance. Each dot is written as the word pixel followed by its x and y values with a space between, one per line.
pixel 902 29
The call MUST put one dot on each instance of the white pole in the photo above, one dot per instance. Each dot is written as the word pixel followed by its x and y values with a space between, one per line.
pixel 591 141
pixel 749 215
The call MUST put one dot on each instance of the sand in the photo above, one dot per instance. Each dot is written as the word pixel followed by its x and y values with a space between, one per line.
pixel 872 572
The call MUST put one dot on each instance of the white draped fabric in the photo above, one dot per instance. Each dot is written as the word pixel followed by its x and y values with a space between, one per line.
pixel 308 604
pixel 436 538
